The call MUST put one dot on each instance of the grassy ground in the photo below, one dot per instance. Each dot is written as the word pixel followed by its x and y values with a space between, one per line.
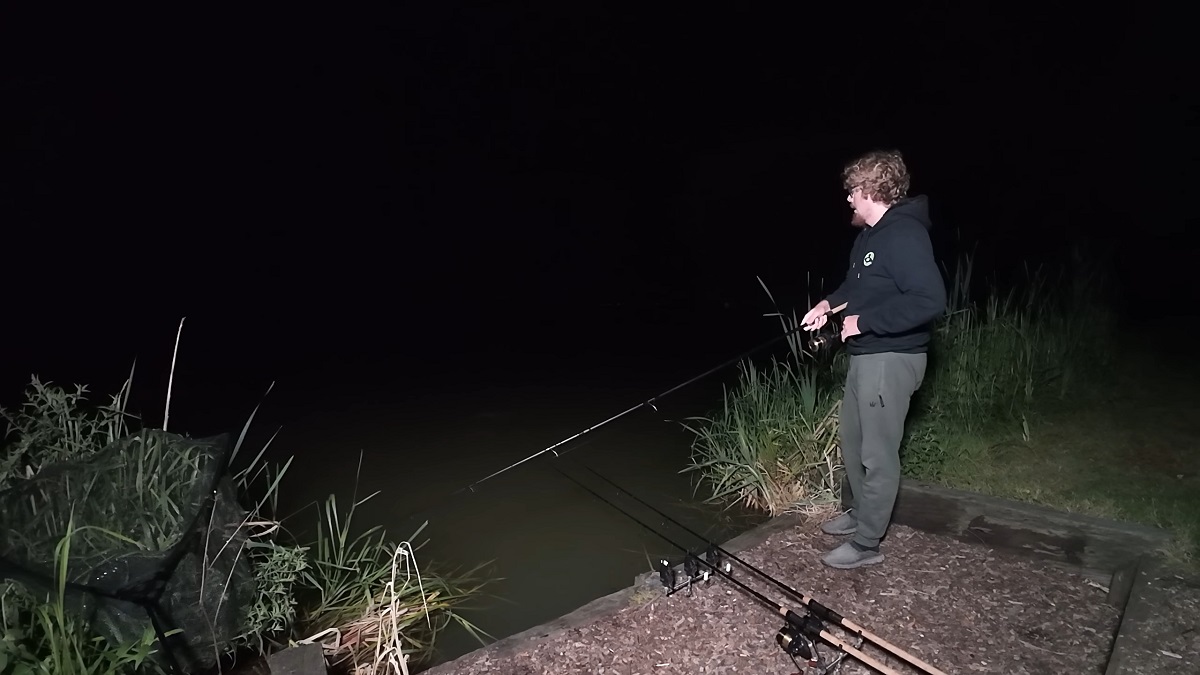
pixel 1128 452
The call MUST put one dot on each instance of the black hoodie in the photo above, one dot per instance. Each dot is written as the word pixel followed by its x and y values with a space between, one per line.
pixel 893 283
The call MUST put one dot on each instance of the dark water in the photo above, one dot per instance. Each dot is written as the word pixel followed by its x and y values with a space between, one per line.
pixel 418 422
pixel 414 405
pixel 555 545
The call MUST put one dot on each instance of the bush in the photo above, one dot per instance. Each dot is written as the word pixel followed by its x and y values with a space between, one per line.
pixel 774 446
pixel 366 592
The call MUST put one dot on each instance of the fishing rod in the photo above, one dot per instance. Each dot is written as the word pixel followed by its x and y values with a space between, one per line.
pixel 796 637
pixel 822 338
pixel 649 402
pixel 818 610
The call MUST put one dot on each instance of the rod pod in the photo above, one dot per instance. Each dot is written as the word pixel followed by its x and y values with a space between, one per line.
pixel 810 622
pixel 819 610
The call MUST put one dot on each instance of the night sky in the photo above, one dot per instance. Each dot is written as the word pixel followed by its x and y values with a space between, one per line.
pixel 388 176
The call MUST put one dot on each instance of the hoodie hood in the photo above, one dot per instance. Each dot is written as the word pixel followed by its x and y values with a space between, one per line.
pixel 916 208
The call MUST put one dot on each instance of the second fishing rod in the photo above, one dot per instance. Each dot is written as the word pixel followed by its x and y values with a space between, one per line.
pixel 814 607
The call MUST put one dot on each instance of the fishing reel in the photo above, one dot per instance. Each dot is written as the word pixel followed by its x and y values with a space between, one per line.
pixel 798 641
pixel 827 337
pixel 795 643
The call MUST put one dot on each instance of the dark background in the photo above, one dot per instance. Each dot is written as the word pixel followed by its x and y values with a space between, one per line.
pixel 390 188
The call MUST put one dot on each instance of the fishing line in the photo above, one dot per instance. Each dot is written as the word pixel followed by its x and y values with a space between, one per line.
pixel 648 402
pixel 818 610
pixel 809 624
pixel 818 342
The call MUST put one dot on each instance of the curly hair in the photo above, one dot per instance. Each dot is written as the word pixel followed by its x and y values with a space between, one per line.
pixel 881 174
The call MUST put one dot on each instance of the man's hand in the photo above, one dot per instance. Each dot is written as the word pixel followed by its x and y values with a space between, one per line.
pixel 850 327
pixel 816 317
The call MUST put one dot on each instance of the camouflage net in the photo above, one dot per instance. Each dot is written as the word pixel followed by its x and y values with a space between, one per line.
pixel 157 540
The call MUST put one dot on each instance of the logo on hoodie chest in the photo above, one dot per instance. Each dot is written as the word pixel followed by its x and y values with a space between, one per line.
pixel 868 258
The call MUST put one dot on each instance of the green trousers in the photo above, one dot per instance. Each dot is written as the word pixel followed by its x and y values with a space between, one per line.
pixel 879 388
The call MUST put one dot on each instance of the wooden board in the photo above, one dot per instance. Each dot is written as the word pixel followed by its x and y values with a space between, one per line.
pixel 1140 605
pixel 1095 547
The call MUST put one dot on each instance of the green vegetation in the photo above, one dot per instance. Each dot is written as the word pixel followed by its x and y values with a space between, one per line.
pixel 1031 394
pixel 370 602
pixel 85 490
pixel 774 445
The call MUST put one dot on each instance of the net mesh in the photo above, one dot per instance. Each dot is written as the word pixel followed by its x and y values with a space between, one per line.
pixel 157 532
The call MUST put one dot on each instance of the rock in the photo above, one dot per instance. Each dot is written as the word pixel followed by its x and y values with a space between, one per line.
pixel 299 660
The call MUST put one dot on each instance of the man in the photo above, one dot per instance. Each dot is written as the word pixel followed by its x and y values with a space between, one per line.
pixel 891 296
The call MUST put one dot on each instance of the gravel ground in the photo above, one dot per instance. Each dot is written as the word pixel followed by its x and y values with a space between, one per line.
pixel 962 608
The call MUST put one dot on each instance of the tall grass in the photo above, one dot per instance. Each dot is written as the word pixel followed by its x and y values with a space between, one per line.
pixel 1043 337
pixel 774 444
pixel 1000 357
pixel 366 590
pixel 368 603
pixel 56 641
pixel 144 491
pixel 53 425
pixel 995 357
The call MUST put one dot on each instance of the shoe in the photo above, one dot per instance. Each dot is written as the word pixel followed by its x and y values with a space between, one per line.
pixel 843 524
pixel 847 557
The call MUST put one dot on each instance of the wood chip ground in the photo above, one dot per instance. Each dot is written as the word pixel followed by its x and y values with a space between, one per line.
pixel 961 607
pixel 1164 637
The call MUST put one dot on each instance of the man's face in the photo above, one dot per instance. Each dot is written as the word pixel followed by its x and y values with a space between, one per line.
pixel 858 203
